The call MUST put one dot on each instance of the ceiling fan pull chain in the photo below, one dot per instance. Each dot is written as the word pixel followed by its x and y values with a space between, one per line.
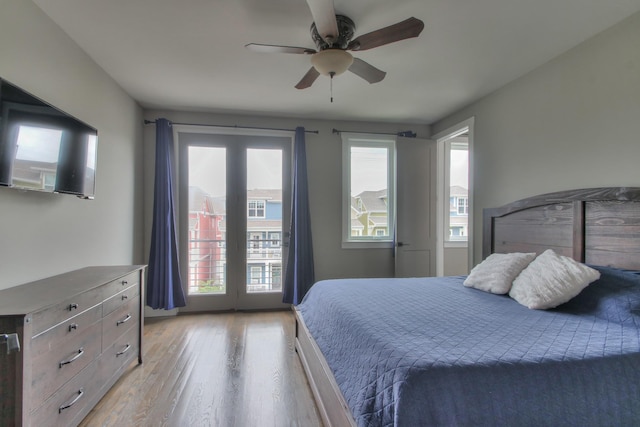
pixel 331 85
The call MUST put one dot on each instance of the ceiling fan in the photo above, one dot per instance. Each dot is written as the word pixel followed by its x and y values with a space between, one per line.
pixel 332 35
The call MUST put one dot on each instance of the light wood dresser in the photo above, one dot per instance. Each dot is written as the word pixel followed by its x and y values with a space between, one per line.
pixel 78 333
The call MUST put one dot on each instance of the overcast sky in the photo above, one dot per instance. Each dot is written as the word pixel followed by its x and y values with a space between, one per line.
pixel 207 169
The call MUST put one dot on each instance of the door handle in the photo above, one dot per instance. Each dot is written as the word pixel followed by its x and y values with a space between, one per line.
pixel 398 244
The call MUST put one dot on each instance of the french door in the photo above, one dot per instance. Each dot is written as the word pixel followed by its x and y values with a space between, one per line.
pixel 234 219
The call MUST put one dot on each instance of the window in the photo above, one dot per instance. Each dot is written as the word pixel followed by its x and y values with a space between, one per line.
pixel 255 239
pixel 276 276
pixel 368 190
pixel 255 275
pixel 274 240
pixel 463 205
pixel 256 208
pixel 457 188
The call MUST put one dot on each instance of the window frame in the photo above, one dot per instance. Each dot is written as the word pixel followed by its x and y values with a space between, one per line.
pixel 257 208
pixel 387 142
pixel 464 205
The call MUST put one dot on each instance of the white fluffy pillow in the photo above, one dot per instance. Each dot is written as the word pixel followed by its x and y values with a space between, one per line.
pixel 551 280
pixel 496 273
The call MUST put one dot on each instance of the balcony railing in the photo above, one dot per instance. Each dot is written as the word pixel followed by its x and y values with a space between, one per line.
pixel 208 260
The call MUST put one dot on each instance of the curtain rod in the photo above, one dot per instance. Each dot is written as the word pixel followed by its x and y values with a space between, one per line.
pixel 147 122
pixel 404 133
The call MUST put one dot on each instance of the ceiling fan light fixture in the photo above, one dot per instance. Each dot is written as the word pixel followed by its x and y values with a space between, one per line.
pixel 331 62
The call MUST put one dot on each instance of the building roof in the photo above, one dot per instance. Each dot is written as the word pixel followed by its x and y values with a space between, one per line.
pixel 378 220
pixel 199 200
pixel 458 191
pixel 265 194
pixel 372 201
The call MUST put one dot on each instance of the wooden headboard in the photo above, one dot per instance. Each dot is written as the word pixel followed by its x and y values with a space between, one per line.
pixel 599 226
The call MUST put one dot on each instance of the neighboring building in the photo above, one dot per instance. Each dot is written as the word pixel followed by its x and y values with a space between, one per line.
pixel 264 240
pixel 458 212
pixel 207 241
pixel 369 214
pixel 207 251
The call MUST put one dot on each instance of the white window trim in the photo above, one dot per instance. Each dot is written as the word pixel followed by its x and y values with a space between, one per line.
pixel 468 126
pixel 385 141
pixel 257 208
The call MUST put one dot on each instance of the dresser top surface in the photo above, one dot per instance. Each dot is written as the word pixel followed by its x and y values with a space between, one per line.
pixel 33 296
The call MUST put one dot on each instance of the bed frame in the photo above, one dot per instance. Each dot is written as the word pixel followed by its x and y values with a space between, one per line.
pixel 599 226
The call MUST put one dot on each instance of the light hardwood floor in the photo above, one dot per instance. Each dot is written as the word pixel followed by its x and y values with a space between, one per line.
pixel 229 369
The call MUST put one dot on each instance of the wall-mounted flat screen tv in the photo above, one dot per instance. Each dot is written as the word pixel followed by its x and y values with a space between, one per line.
pixel 42 148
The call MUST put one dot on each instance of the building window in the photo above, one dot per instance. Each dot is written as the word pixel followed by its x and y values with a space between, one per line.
pixel 256 208
pixel 276 276
pixel 255 275
pixel 463 205
pixel 368 190
pixel 274 240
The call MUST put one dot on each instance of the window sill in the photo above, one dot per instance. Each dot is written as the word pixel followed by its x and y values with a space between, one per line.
pixel 380 244
pixel 461 245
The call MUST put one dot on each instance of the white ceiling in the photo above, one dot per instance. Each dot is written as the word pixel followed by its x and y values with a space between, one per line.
pixel 190 55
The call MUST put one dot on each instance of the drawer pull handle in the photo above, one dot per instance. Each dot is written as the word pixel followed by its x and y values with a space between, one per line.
pixel 124 283
pixel 73 306
pixel 124 297
pixel 126 319
pixel 126 348
pixel 73 402
pixel 74 358
pixel 73 326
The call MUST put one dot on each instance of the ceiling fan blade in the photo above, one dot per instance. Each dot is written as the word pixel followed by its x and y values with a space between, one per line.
pixel 406 29
pixel 269 48
pixel 366 71
pixel 324 16
pixel 308 79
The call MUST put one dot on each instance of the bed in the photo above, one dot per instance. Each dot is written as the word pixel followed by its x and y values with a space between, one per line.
pixel 432 351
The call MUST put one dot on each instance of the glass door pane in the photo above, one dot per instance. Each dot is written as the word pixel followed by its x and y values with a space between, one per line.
pixel 207 244
pixel 235 203
pixel 264 220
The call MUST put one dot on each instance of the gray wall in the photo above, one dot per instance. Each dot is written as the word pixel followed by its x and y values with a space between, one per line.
pixel 46 234
pixel 324 164
pixel 456 261
pixel 572 123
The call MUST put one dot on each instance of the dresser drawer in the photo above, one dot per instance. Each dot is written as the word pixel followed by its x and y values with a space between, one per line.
pixel 120 320
pixel 51 370
pixel 118 285
pixel 65 331
pixel 120 299
pixel 65 367
pixel 65 406
pixel 50 317
pixel 121 353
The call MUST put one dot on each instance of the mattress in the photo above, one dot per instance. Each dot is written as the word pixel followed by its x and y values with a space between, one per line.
pixel 429 351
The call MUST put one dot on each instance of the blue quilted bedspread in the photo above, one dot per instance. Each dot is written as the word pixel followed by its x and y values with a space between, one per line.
pixel 429 351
